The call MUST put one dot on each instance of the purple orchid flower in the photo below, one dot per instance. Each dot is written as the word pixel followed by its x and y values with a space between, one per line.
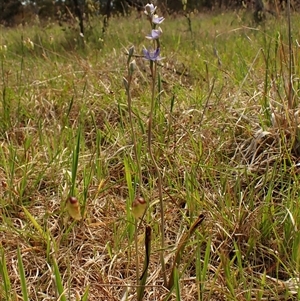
pixel 155 34
pixel 150 9
pixel 152 55
pixel 157 20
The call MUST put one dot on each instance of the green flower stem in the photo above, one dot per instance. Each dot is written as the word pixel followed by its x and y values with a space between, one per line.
pixel 133 135
pixel 137 259
pixel 153 67
pixel 137 159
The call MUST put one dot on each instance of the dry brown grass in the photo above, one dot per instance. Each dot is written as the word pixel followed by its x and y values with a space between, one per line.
pixel 219 155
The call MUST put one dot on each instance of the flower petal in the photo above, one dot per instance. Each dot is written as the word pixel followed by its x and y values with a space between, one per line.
pixel 155 34
pixel 152 55
pixel 157 20
pixel 150 9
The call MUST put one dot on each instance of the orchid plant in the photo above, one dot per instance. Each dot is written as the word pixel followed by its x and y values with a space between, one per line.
pixel 151 54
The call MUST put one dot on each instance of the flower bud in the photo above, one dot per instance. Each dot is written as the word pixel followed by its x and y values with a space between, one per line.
pixel 3 48
pixel 130 53
pixel 73 208
pixel 132 67
pixel 139 206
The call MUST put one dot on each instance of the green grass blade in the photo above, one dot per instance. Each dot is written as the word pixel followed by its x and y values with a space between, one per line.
pixel 22 276
pixel 128 172
pixel 86 294
pixel 75 160
pixel 181 247
pixel 176 284
pixel 5 277
pixel 58 281
pixel 202 268
pixel 36 224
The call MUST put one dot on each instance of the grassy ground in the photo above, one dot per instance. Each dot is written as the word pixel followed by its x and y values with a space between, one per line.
pixel 224 138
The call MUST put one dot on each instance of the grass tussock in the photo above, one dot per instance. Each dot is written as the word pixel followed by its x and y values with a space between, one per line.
pixel 225 140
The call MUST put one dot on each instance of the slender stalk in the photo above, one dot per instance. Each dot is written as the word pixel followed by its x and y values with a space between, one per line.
pixel 135 149
pixel 181 247
pixel 153 67
pixel 143 279
pixel 137 259
pixel 290 89
pixel 133 136
pixel 137 263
